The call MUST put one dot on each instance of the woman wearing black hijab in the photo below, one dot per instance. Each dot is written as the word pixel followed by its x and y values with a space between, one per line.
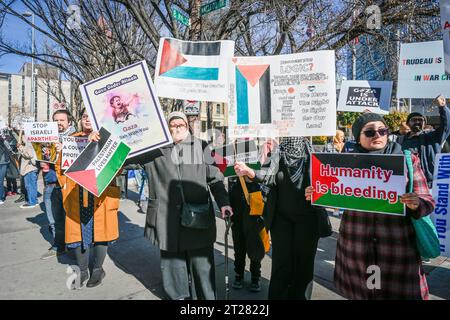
pixel 291 220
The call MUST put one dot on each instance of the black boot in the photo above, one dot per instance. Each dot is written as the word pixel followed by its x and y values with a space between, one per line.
pixel 96 278
pixel 84 275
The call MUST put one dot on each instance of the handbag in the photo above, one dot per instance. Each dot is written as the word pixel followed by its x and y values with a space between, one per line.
pixel 426 233
pixel 194 215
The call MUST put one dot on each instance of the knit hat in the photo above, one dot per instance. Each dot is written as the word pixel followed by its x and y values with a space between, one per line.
pixel 177 115
pixel 415 114
pixel 364 119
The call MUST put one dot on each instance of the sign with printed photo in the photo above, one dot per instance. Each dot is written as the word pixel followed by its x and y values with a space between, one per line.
pixel 124 102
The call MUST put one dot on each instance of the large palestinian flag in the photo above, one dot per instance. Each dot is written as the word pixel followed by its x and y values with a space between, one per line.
pixel 225 157
pixel 190 60
pixel 189 70
pixel 361 182
pixel 99 163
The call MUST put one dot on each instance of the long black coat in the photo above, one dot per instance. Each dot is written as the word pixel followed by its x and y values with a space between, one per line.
pixel 162 225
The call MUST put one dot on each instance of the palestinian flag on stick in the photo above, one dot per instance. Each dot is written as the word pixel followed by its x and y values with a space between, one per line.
pixel 225 157
pixel 361 182
pixel 99 163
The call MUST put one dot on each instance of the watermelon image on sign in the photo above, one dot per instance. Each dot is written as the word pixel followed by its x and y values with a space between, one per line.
pixel 99 163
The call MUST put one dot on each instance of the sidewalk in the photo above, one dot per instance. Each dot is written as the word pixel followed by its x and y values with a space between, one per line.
pixel 132 266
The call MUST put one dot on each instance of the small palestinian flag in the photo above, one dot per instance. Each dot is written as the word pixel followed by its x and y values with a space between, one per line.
pixel 360 182
pixel 99 163
pixel 225 157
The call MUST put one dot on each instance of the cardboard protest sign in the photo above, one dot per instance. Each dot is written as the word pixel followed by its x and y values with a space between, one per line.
pixel 421 72
pixel 98 164
pixel 284 95
pixel 71 149
pixel 226 156
pixel 42 136
pixel 190 70
pixel 441 194
pixel 361 182
pixel 124 103
pixel 361 95
pixel 445 19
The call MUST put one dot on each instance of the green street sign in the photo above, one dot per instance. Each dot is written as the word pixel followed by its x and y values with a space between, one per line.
pixel 213 6
pixel 180 17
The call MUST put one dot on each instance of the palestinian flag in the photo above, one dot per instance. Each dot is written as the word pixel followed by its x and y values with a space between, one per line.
pixel 98 164
pixel 253 94
pixel 190 60
pixel 361 182
pixel 225 157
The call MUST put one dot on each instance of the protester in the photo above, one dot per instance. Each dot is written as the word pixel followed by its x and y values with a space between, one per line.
pixel 427 143
pixel 91 222
pixel 12 173
pixel 388 242
pixel 243 231
pixel 4 163
pixel 292 221
pixel 402 131
pixel 50 181
pixel 337 145
pixel 64 120
pixel 29 172
pixel 177 181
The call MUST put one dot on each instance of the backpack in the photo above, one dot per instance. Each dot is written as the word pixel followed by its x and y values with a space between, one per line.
pixel 426 234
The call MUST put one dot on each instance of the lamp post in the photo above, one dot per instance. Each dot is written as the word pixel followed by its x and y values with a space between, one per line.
pixel 32 102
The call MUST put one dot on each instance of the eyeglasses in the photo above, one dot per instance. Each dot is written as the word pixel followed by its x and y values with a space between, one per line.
pixel 177 126
pixel 371 133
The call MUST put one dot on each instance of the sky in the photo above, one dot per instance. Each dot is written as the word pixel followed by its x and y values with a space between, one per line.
pixel 17 31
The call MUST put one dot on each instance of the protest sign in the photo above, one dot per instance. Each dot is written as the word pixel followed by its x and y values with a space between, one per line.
pixel 445 19
pixel 284 95
pixel 421 72
pixel 441 194
pixel 191 107
pixel 361 95
pixel 71 149
pixel 19 120
pixel 226 156
pixel 190 70
pixel 124 103
pixel 41 132
pixel 98 164
pixel 42 136
pixel 361 182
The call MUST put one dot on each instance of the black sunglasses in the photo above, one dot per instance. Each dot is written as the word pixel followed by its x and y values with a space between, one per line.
pixel 371 133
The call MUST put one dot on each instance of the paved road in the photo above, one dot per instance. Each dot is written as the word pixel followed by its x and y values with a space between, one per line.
pixel 132 265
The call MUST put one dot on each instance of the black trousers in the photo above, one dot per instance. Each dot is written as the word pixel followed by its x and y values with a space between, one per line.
pixel 189 274
pixel 240 249
pixel 294 246
pixel 99 254
pixel 60 219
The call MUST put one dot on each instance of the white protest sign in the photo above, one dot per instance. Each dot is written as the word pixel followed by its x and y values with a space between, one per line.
pixel 441 194
pixel 125 103
pixel 71 149
pixel 41 132
pixel 284 95
pixel 361 95
pixel 445 19
pixel 190 70
pixel 421 72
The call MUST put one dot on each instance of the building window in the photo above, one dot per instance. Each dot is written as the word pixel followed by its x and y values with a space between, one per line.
pixel 203 126
pixel 218 109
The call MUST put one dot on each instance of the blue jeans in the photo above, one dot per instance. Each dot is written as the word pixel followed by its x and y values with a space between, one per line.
pixel 3 168
pixel 31 186
pixel 48 206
